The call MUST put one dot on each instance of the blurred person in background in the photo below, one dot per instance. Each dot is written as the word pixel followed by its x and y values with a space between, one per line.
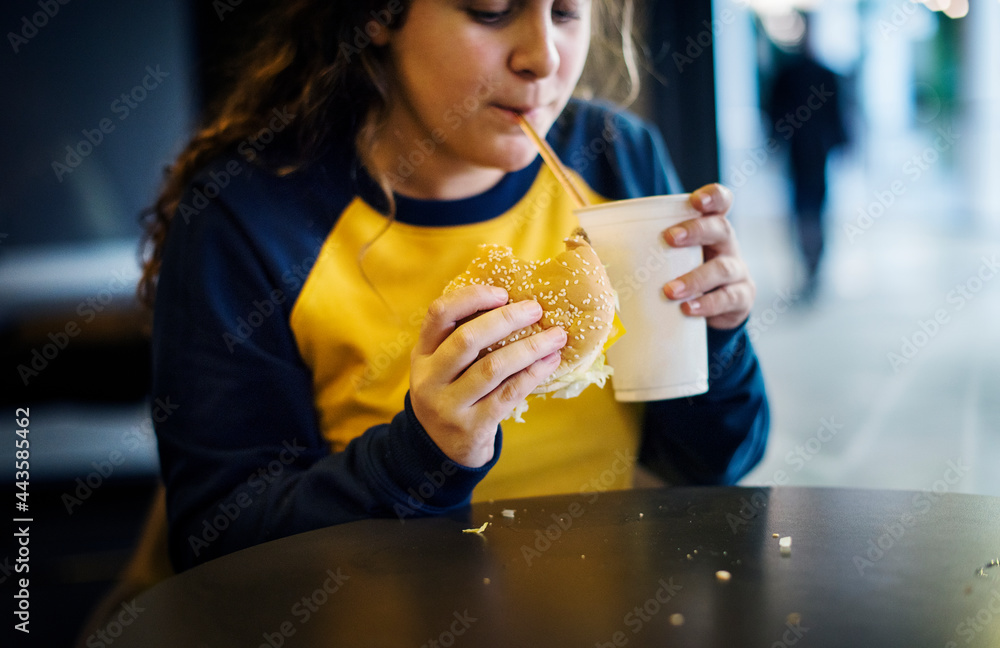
pixel 805 111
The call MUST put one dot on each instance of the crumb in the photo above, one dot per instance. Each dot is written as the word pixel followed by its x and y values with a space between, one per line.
pixel 583 556
pixel 640 516
pixel 479 530
pixel 794 618
pixel 509 513
pixel 690 557
pixel 774 535
pixel 486 581
pixel 676 619
pixel 785 545
pixel 723 575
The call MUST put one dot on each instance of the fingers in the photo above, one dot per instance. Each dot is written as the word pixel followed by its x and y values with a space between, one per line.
pixel 723 290
pixel 708 276
pixel 516 388
pixel 462 347
pixel 725 307
pixel 447 310
pixel 715 231
pixel 515 368
pixel 712 199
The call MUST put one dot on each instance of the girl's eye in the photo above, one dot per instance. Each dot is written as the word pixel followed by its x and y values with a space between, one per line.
pixel 565 16
pixel 489 17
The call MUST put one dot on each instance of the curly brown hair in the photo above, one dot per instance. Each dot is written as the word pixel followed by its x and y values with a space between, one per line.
pixel 305 64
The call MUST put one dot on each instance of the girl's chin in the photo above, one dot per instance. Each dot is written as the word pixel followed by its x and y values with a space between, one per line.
pixel 516 156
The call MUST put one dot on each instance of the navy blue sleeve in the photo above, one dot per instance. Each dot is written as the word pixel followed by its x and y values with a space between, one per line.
pixel 718 436
pixel 241 451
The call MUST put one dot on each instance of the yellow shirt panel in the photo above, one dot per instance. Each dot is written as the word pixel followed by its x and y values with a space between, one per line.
pixel 356 323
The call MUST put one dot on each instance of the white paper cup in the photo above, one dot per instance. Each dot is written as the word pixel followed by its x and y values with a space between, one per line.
pixel 664 353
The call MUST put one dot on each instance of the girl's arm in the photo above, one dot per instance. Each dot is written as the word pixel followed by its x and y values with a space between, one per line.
pixel 241 451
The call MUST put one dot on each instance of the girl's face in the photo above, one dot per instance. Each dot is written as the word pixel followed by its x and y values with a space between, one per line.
pixel 461 70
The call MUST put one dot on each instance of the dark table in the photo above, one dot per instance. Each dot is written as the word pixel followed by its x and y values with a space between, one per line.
pixel 635 568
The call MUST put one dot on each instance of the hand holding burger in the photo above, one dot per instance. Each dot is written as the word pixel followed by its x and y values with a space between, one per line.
pixel 505 329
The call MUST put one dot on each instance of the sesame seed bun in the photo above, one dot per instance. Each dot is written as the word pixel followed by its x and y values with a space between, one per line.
pixel 574 292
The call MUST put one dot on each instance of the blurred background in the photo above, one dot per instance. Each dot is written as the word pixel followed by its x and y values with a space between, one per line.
pixel 874 260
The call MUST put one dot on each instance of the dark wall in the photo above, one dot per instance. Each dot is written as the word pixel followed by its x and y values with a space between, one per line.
pixel 681 92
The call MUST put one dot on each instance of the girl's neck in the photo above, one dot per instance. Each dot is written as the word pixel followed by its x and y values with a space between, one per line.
pixel 420 165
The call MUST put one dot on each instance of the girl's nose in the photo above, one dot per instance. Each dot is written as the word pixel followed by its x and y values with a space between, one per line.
pixel 535 54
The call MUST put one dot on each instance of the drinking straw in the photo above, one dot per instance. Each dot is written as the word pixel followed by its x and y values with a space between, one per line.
pixel 552 161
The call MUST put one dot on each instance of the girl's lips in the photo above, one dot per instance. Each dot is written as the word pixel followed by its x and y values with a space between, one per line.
pixel 511 112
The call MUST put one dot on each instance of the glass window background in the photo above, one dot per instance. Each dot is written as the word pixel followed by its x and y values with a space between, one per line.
pixel 888 377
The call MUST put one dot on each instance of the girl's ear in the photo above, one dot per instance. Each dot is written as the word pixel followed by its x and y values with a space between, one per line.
pixel 379 33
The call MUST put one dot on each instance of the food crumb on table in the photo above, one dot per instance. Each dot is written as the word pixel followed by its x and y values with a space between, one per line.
pixel 479 530
pixel 509 513
pixel 723 575
pixel 677 619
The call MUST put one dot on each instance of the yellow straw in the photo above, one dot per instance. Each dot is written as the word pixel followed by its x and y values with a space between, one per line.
pixel 558 170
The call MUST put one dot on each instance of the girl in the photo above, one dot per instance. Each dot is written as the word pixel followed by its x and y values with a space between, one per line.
pixel 299 250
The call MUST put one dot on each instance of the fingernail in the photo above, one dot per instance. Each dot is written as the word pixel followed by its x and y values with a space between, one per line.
pixel 531 307
pixel 675 287
pixel 678 234
pixel 694 306
pixel 705 200
pixel 499 293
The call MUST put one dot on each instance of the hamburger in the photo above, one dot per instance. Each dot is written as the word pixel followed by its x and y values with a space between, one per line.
pixel 574 292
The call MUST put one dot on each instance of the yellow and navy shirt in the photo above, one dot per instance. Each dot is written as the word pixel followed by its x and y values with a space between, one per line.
pixel 287 307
